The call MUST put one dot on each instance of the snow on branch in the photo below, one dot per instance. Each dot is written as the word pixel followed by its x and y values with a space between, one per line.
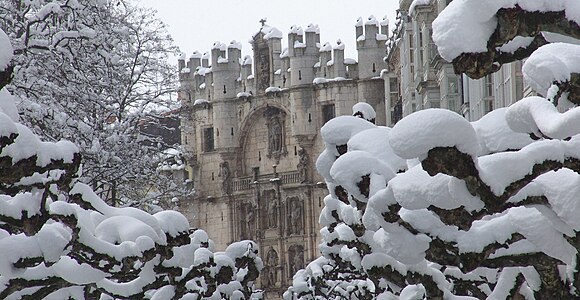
pixel 60 240
pixel 480 36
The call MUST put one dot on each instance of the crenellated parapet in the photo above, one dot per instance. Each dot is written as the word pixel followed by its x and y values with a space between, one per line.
pixel 228 75
pixel 371 47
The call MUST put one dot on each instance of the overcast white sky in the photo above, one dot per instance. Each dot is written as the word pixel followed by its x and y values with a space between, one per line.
pixel 196 25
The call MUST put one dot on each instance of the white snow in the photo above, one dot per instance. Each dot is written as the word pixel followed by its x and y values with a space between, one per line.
pixel 272 89
pixel 465 26
pixel 430 129
pixel 327 47
pixel 551 63
pixel 350 61
pixel 200 101
pixel 235 45
pixel 539 116
pixel 6 51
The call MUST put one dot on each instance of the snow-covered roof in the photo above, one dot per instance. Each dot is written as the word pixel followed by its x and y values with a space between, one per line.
pixel 312 28
pixel 247 60
pixel 219 45
pixel 371 20
pixel 417 3
pixel 327 47
pixel 200 101
pixel 196 54
pixel 273 33
pixel 339 45
pixel 296 30
pixel 202 71
pixel 269 32
pixel 299 44
pixel 381 37
pixel 272 89
pixel 384 21
pixel 359 22
pixel 235 45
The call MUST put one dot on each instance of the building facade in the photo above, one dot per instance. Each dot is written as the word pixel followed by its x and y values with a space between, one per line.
pixel 418 78
pixel 250 128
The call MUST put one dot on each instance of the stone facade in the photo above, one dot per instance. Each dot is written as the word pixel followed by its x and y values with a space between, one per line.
pixel 250 128
pixel 418 78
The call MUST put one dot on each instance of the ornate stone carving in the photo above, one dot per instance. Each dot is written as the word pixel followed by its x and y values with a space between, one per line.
pixel 263 68
pixel 249 222
pixel 273 213
pixel 295 223
pixel 303 163
pixel 276 133
pixel 226 178
pixel 295 258
pixel 271 272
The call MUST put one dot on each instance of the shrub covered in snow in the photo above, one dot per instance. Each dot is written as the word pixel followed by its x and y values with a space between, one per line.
pixel 482 210
pixel 59 240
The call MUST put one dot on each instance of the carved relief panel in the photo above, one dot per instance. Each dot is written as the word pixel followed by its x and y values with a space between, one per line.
pixel 271 206
pixel 270 273
pixel 275 121
pixel 295 216
pixel 248 221
pixel 295 259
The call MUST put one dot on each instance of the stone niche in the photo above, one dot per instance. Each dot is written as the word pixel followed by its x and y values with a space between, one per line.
pixel 261 62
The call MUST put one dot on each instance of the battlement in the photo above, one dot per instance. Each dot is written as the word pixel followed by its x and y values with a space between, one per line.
pixel 300 63
pixel 374 34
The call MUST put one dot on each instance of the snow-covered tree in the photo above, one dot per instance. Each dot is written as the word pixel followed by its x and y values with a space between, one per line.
pixel 91 71
pixel 481 210
pixel 60 240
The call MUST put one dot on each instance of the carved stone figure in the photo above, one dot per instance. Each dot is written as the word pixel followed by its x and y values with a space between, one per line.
pixel 273 213
pixel 303 162
pixel 226 178
pixel 271 267
pixel 295 216
pixel 264 68
pixel 275 136
pixel 296 258
pixel 250 218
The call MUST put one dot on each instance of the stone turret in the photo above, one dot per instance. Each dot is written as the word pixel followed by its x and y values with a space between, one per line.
pixel 371 48
pixel 325 61
pixel 339 67
pixel 303 53
pixel 226 72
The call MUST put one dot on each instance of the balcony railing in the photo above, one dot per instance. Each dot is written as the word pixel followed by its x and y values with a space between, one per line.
pixel 246 183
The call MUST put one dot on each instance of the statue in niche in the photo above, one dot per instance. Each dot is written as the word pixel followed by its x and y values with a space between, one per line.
pixel 275 136
pixel 226 178
pixel 273 212
pixel 295 258
pixel 264 68
pixel 271 267
pixel 250 219
pixel 303 162
pixel 295 216
pixel 275 123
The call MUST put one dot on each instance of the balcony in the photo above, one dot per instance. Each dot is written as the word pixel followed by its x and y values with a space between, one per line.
pixel 246 183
